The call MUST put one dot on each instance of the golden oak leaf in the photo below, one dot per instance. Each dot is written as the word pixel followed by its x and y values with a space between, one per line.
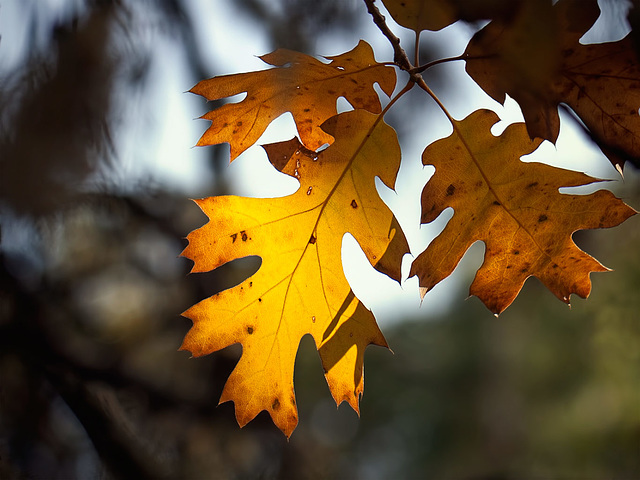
pixel 300 84
pixel 515 208
pixel 300 287
pixel 600 82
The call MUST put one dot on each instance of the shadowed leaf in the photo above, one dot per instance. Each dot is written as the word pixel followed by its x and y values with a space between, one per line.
pixel 600 82
pixel 421 15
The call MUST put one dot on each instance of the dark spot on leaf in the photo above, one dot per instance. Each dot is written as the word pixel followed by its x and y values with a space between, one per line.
pixel 495 202
pixel 312 240
pixel 516 252
pixel 542 218
pixel 259 299
pixel 508 267
pixel 555 265
pixel 239 123
pixel 522 270
pixel 350 334
pixel 354 204
pixel 251 284
pixel 533 184
pixel 450 189
pixel 276 404
pixel 307 109
pixel 233 237
pixel 249 330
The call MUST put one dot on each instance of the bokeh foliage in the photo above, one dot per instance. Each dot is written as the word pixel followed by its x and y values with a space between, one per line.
pixel 92 385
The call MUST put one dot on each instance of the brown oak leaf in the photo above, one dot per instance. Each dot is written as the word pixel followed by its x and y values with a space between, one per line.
pixel 300 84
pixel 515 208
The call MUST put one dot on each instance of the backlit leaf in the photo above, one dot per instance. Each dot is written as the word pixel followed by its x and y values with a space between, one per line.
pixel 300 84
pixel 515 208
pixel 300 287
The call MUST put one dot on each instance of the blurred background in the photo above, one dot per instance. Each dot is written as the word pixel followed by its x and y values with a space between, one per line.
pixel 97 168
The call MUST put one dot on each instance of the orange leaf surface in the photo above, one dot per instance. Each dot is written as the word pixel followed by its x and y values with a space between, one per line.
pixel 300 287
pixel 300 84
pixel 515 208
pixel 600 82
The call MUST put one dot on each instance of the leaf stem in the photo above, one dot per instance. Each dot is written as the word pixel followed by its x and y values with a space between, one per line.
pixel 423 85
pixel 456 128
pixel 406 88
pixel 422 68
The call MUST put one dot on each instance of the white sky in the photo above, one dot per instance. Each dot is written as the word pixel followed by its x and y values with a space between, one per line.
pixel 161 149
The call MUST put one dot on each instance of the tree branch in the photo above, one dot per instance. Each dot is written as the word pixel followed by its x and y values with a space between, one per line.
pixel 400 57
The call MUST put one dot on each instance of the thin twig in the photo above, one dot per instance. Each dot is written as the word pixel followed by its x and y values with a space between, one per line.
pixel 400 57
